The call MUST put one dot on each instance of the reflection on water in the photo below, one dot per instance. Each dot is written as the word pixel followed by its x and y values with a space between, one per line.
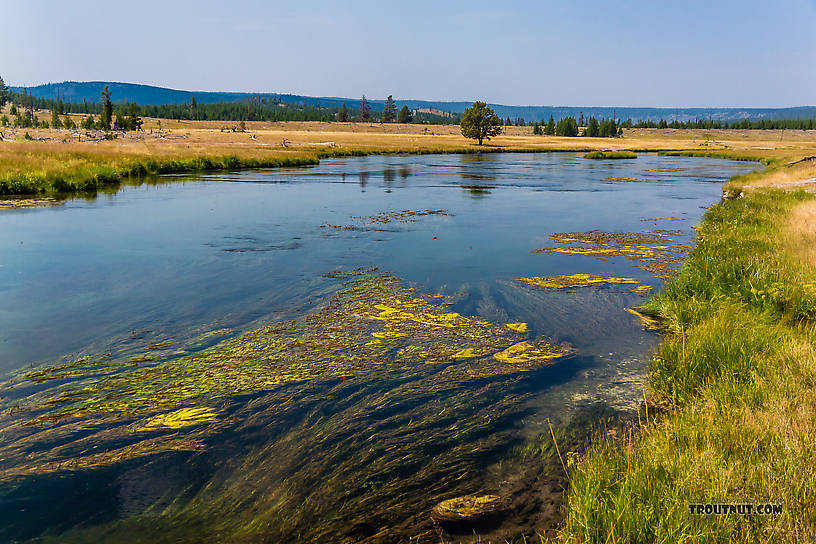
pixel 196 374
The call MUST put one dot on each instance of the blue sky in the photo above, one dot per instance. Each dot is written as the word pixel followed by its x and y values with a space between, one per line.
pixel 577 53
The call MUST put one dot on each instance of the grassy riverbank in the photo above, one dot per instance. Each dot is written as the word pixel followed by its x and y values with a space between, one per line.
pixel 62 172
pixel 735 380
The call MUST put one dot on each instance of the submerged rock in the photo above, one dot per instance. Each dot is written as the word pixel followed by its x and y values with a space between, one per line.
pixel 469 509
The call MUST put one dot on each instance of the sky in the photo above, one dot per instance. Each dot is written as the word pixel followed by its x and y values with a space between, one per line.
pixel 662 53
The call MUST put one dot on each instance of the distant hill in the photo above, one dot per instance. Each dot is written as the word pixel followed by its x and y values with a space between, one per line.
pixel 77 91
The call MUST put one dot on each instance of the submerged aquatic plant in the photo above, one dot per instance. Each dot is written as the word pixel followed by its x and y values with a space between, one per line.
pixel 372 222
pixel 575 280
pixel 34 202
pixel 372 327
pixel 620 178
pixel 183 417
pixel 641 289
pixel 648 323
pixel 647 247
pixel 467 508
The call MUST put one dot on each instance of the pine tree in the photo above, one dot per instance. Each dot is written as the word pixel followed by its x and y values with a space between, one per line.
pixel 4 93
pixel 365 109
pixel 567 126
pixel 106 116
pixel 55 120
pixel 133 121
pixel 193 108
pixel 550 128
pixel 343 114
pixel 119 122
pixel 389 110
pixel 593 129
pixel 405 115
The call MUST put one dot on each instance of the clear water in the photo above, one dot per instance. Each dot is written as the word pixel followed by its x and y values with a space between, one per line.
pixel 326 458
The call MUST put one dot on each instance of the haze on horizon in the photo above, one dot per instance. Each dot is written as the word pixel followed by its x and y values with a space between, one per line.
pixel 640 53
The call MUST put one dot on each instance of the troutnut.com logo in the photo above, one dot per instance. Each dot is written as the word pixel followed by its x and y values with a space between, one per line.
pixel 769 508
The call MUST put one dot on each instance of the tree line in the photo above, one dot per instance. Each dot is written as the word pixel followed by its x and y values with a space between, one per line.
pixel 743 124
pixel 569 126
pixel 127 116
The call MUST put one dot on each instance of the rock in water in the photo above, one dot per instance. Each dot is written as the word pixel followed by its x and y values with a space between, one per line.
pixel 469 509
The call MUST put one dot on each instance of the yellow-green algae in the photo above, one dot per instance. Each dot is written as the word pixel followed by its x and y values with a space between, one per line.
pixel 517 327
pixel 648 323
pixel 641 289
pixel 620 179
pixel 33 202
pixel 648 247
pixel 182 417
pixel 372 327
pixel 575 280
pixel 467 508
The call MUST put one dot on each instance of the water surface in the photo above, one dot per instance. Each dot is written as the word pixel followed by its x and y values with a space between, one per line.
pixel 154 268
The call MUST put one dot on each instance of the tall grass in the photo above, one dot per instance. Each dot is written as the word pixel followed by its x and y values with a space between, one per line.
pixel 92 173
pixel 736 377
pixel 734 155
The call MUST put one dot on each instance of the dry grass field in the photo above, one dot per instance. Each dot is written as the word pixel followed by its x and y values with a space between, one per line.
pixel 48 161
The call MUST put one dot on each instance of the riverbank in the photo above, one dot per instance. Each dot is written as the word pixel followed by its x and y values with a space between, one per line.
pixel 55 162
pixel 730 418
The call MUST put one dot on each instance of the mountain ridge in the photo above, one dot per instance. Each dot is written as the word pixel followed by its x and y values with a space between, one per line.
pixel 77 91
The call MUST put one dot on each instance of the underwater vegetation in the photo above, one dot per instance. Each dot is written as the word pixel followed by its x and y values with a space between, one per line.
pixel 648 248
pixel 467 508
pixel 648 323
pixel 35 202
pixel 372 327
pixel 620 178
pixel 641 289
pixel 575 280
pixel 372 221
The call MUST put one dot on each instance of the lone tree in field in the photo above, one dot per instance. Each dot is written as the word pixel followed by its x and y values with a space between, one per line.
pixel 106 116
pixel 405 115
pixel 480 122
pixel 365 109
pixel 389 110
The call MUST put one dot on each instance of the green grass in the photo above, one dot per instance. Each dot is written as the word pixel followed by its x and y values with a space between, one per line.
pixel 92 175
pixel 611 155
pixel 719 154
pixel 735 378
